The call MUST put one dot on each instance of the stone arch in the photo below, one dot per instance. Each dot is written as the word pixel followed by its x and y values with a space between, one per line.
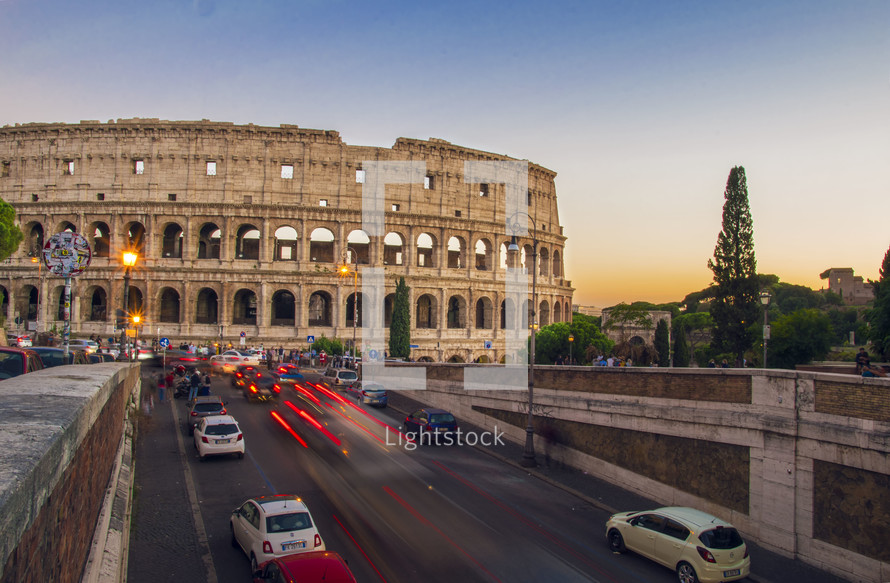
pixel 557 264
pixel 247 242
pixel 171 245
pixel 425 359
pixel 359 242
pixel 482 359
pixel 4 307
pixel 244 307
pixel 207 306
pixel 455 358
pixel 134 237
pixel 503 255
pixel 543 313
pixel 393 249
pixel 99 235
pixel 557 312
pixel 351 309
pixel 425 312
pixel 169 305
pixel 483 254
pixel 97 307
pixel 484 315
pixel 320 309
pixel 525 257
pixel 34 238
pixel 66 226
pixel 321 246
pixel 286 240
pixel 457 312
pixel 31 295
pixel 543 262
pixel 209 241
pixel 284 308
pixel 456 253
pixel 426 250
pixel 388 303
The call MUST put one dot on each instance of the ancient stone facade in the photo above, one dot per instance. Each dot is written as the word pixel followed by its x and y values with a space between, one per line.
pixel 242 228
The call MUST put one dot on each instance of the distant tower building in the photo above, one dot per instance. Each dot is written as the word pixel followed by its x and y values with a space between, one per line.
pixel 852 289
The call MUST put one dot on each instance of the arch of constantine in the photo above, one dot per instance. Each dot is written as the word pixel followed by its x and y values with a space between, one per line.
pixel 242 228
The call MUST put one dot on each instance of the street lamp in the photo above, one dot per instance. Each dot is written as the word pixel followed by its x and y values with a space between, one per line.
pixel 129 259
pixel 344 270
pixel 136 320
pixel 571 342
pixel 37 260
pixel 765 298
pixel 528 455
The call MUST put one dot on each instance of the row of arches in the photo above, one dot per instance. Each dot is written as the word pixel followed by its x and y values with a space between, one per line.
pixel 283 308
pixel 426 249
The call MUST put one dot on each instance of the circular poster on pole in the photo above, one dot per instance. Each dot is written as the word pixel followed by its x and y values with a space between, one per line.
pixel 67 254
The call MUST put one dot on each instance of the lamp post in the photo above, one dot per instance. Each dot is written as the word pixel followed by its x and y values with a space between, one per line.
pixel 129 260
pixel 344 270
pixel 765 298
pixel 528 455
pixel 571 343
pixel 135 356
pixel 36 259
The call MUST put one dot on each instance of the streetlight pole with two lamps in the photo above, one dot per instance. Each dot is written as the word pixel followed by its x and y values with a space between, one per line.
pixel 765 298
pixel 344 271
pixel 528 454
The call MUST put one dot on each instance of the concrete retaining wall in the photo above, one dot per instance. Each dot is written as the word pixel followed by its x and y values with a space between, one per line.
pixel 60 431
pixel 799 461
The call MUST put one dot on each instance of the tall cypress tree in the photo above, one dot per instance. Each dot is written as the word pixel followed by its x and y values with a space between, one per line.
pixel 681 348
pixel 879 316
pixel 400 326
pixel 735 307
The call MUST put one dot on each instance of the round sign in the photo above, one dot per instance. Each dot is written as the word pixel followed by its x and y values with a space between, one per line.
pixel 67 254
pixel 243 334
pixel 164 342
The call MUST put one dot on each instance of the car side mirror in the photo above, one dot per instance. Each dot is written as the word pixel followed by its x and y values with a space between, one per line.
pixel 634 521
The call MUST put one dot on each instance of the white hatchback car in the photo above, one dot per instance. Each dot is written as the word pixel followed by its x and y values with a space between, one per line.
pixel 240 357
pixel 698 546
pixel 273 526
pixel 218 435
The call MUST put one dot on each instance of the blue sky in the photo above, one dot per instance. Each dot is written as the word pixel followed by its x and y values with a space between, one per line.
pixel 641 107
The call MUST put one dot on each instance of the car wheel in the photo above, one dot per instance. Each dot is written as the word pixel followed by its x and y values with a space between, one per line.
pixel 254 567
pixel 686 573
pixel 240 455
pixel 616 541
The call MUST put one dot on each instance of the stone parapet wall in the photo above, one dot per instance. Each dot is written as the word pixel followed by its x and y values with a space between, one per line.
pixel 61 429
pixel 759 448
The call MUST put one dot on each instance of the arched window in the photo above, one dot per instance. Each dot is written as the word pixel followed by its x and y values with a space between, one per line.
pixel 244 308
pixel 483 255
pixel 351 310
pixel 483 313
pixel 98 311
pixel 283 308
pixel 285 244
pixel 321 246
pixel 456 312
pixel 393 249
pixel 209 241
pixel 169 305
pixel 207 307
pixel 456 258
pixel 426 312
pixel 320 309
pixel 247 243
pixel 101 243
pixel 172 244
pixel 426 246
pixel 359 242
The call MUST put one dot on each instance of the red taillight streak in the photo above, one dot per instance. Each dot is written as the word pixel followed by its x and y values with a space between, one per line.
pixel 204 439
pixel 223 412
pixel 521 518
pixel 330 394
pixel 706 554
pixel 240 437
pixel 303 391
pixel 426 522
pixel 317 540
pixel 194 414
pixel 361 550
pixel 276 388
pixel 313 422
pixel 287 427
pixel 253 388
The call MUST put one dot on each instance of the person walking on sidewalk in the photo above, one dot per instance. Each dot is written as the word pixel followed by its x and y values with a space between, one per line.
pixel 195 381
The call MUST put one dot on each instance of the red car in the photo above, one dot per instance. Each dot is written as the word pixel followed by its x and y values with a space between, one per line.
pixel 18 361
pixel 311 567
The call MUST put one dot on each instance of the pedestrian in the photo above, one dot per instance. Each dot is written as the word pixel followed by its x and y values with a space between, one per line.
pixel 162 387
pixel 195 384
pixel 724 364
pixel 863 361
pixel 205 385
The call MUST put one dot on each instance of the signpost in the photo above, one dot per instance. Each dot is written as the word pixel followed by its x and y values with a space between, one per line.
pixel 165 344
pixel 67 255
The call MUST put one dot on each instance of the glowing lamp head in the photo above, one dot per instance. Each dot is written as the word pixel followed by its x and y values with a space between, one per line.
pixel 130 258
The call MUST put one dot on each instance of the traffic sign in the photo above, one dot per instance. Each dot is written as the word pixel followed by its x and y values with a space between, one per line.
pixel 373 355
pixel 310 339
pixel 414 345
pixel 488 345
pixel 164 342
pixel 243 334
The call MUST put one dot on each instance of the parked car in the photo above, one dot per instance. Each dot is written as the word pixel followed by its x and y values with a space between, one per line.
pixel 311 567
pixel 201 407
pixel 273 526
pixel 20 340
pixel 100 357
pixel 88 346
pixel 218 435
pixel 52 356
pixel 338 377
pixel 15 361
pixel 368 393
pixel 697 545
pixel 432 422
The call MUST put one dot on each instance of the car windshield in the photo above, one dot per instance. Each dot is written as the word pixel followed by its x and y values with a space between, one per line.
pixel 221 429
pixel 442 418
pixel 721 538
pixel 371 388
pixel 53 358
pixel 288 522
pixel 348 375
pixel 207 407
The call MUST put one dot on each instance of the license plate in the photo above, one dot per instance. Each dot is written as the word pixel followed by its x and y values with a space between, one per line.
pixel 293 546
pixel 733 573
pixel 218 441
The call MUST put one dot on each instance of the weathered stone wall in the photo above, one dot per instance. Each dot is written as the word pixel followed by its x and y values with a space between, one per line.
pixel 61 429
pixel 780 454
pixel 193 297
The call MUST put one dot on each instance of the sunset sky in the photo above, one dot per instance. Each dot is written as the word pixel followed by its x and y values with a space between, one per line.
pixel 641 107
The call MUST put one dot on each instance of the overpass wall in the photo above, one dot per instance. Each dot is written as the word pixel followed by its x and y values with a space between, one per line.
pixel 799 461
pixel 60 430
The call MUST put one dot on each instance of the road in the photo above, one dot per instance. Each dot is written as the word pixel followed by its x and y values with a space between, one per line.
pixel 434 513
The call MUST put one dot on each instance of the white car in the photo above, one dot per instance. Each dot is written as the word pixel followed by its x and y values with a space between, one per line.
pixel 699 547
pixel 273 526
pixel 239 357
pixel 22 341
pixel 218 435
pixel 224 364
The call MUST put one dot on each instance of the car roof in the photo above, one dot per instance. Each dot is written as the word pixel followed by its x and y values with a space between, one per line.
pixel 208 399
pixel 692 516
pixel 434 411
pixel 281 503
pixel 316 566
pixel 219 420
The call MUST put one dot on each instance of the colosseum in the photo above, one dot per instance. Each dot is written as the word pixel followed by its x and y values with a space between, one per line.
pixel 240 230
